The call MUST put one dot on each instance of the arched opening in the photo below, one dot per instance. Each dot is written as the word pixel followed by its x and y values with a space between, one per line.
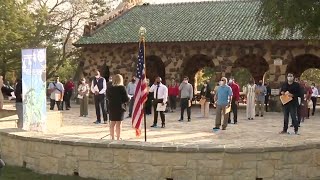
pixel 201 65
pixel 155 67
pixel 303 62
pixel 256 65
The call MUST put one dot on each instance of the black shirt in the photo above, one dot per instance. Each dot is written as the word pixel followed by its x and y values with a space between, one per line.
pixel 18 91
pixel 293 89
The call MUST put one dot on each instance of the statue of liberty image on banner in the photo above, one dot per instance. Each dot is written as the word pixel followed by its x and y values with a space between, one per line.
pixel 34 89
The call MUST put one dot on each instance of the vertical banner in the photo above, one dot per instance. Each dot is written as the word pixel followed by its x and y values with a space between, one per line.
pixel 34 89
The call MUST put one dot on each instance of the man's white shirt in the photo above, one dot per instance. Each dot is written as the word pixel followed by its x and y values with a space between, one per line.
pixel 104 88
pixel 162 92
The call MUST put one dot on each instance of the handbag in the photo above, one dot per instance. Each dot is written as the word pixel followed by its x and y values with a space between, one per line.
pixel 124 107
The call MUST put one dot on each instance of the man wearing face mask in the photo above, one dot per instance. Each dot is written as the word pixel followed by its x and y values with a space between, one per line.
pixel 223 99
pixel 261 92
pixel 56 91
pixel 186 95
pixel 235 100
pixel 314 97
pixel 293 90
pixel 98 88
pixel 131 89
pixel 160 96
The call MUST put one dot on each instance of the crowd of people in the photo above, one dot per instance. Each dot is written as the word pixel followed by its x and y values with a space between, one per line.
pixel 111 99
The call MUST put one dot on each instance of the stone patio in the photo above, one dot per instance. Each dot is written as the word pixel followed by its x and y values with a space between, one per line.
pixel 261 132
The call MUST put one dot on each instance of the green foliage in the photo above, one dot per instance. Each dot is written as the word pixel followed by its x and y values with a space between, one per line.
pixel 16 28
pixel 205 74
pixel 242 76
pixel 39 24
pixel 312 76
pixel 294 15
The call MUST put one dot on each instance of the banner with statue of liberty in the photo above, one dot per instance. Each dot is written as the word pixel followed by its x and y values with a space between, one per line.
pixel 34 89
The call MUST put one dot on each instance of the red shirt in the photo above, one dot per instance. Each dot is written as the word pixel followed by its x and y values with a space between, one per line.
pixel 69 86
pixel 235 91
pixel 173 90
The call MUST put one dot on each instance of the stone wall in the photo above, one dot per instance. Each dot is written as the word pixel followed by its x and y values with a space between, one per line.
pixel 225 57
pixel 119 160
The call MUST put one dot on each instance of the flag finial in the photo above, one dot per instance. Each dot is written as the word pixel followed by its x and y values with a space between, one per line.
pixel 142 31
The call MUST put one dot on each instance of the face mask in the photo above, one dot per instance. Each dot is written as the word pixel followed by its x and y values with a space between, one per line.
pixel 83 82
pixel 205 85
pixel 221 83
pixel 260 83
pixel 312 86
pixel 230 81
pixel 185 81
pixel 290 79
pixel 158 82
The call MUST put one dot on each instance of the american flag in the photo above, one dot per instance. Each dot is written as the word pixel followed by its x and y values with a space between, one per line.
pixel 140 95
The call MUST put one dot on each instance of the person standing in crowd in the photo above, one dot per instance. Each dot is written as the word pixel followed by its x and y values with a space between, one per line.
pixel 160 96
pixel 118 98
pixel 83 95
pixel 173 94
pixel 131 89
pixel 261 92
pixel 19 105
pixel 266 101
pixel 250 96
pixel 186 95
pixel 303 110
pixel 1 95
pixel 69 87
pixel 314 96
pixel 308 98
pixel 235 100
pixel 205 94
pixel 99 88
pixel 56 91
pixel 148 105
pixel 291 89
pixel 109 85
pixel 223 99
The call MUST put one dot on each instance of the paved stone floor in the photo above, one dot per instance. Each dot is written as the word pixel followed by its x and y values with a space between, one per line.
pixel 263 131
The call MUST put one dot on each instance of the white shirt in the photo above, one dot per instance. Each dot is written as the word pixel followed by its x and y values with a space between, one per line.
pixel 162 92
pixel 58 89
pixel 131 88
pixel 315 92
pixel 104 88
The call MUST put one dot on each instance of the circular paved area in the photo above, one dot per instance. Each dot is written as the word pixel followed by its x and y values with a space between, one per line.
pixel 261 132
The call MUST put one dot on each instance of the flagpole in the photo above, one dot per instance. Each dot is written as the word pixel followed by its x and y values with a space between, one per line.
pixel 142 32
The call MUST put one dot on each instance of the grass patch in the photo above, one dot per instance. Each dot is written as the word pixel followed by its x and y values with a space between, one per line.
pixel 19 173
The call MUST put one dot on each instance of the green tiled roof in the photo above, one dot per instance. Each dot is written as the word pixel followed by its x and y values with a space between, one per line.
pixel 185 22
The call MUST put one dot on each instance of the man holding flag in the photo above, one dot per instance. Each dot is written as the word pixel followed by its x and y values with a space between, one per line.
pixel 140 95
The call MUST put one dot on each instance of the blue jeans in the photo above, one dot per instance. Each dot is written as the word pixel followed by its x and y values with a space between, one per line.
pixel 292 110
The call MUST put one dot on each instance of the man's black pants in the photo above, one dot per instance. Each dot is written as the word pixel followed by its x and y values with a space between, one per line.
pixel 314 104
pixel 68 95
pixel 100 102
pixel 292 110
pixel 184 103
pixel 162 116
pixel 53 102
pixel 234 109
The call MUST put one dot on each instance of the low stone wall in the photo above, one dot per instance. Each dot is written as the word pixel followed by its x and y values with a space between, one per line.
pixel 104 159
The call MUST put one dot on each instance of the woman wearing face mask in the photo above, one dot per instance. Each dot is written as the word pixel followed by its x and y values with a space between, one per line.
pixel 83 93
pixel 205 94
pixel 251 96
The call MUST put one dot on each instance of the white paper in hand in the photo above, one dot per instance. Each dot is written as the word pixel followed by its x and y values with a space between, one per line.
pixel 161 107
pixel 96 89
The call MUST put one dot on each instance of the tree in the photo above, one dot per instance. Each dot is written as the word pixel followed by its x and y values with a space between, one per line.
pixel 16 29
pixel 60 24
pixel 293 15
